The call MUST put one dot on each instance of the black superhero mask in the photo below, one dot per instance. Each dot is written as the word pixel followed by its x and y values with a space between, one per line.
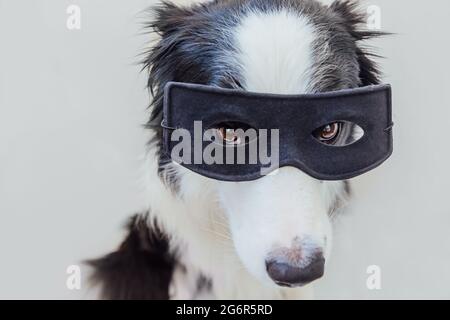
pixel 224 133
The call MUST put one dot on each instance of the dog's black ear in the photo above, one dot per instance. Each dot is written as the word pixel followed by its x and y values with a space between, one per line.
pixel 168 17
pixel 166 61
pixel 169 22
pixel 142 267
pixel 353 19
pixel 349 12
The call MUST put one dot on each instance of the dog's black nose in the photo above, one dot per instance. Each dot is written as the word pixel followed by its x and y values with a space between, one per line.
pixel 289 275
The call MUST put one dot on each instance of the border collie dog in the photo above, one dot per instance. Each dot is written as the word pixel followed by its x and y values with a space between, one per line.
pixel 202 238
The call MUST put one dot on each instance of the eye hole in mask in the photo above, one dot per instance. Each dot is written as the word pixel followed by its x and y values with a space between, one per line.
pixel 339 133
pixel 232 133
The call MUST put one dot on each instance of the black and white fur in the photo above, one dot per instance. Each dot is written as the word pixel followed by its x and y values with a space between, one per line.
pixel 203 238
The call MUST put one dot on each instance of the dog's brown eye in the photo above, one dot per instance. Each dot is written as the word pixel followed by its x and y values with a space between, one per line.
pixel 232 133
pixel 328 132
pixel 228 135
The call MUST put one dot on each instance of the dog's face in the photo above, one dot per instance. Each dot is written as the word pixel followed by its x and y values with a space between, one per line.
pixel 280 224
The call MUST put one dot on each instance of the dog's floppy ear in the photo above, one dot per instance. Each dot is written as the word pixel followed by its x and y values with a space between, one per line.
pixel 169 22
pixel 167 59
pixel 168 17
pixel 352 18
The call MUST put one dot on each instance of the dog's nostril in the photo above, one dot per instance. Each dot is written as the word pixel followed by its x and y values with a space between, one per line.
pixel 286 274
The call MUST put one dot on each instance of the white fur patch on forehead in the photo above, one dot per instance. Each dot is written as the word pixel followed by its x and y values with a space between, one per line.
pixel 275 51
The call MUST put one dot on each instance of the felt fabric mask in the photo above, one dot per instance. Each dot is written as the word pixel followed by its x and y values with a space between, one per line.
pixel 205 130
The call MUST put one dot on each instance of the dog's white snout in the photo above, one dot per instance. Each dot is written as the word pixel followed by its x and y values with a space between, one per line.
pixel 278 219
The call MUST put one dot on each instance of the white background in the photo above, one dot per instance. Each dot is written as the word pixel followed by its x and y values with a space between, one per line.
pixel 71 108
